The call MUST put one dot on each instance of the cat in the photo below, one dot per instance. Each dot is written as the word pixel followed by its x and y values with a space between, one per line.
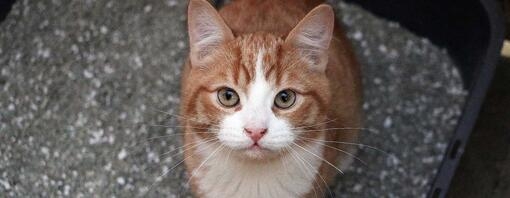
pixel 270 99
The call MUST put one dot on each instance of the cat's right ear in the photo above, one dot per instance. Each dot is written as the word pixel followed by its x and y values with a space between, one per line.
pixel 206 30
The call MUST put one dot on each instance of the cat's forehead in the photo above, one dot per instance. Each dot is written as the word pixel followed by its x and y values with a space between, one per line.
pixel 253 45
pixel 237 66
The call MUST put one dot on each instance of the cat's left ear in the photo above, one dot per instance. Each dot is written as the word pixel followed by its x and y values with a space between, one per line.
pixel 206 30
pixel 312 35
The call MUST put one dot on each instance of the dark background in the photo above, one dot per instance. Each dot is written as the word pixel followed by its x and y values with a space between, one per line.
pixel 484 169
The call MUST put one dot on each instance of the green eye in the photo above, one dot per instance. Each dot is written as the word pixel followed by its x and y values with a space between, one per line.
pixel 285 99
pixel 228 97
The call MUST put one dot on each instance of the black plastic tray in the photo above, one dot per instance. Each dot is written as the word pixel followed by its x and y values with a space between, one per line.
pixel 473 33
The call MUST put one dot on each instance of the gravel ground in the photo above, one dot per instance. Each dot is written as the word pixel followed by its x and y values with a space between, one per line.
pixel 82 82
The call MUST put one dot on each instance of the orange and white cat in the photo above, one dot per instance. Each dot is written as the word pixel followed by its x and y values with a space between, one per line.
pixel 268 88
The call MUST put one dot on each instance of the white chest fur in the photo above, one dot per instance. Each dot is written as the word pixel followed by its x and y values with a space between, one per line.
pixel 290 176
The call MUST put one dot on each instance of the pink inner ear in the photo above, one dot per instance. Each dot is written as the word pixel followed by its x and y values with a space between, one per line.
pixel 312 36
pixel 206 29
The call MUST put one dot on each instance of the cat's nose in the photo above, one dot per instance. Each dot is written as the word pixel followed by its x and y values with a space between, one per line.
pixel 255 133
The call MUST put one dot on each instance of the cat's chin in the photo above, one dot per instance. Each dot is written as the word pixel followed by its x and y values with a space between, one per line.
pixel 257 153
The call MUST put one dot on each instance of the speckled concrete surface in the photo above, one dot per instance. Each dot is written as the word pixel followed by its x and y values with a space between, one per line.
pixel 81 83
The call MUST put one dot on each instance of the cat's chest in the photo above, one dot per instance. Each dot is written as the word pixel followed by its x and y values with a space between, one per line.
pixel 291 176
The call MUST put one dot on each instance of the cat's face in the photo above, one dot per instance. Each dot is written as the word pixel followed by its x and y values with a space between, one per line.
pixel 258 94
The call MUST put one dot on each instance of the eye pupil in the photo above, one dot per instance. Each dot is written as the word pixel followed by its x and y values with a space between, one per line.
pixel 228 95
pixel 284 97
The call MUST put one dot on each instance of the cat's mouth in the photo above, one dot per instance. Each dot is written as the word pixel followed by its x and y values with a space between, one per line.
pixel 257 152
pixel 255 146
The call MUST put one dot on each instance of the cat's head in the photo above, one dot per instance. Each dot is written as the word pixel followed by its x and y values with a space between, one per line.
pixel 257 93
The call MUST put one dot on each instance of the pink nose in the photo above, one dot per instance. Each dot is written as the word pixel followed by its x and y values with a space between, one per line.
pixel 255 133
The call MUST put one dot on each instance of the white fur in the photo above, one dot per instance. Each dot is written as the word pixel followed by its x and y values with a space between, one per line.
pixel 256 112
pixel 290 176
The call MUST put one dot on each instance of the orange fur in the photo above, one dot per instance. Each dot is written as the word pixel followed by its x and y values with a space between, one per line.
pixel 332 94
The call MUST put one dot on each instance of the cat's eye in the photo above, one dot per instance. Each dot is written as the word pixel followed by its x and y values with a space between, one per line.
pixel 228 97
pixel 285 99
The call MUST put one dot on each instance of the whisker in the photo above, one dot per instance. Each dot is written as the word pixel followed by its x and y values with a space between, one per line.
pixel 345 152
pixel 348 143
pixel 307 169
pixel 224 165
pixel 185 118
pixel 318 173
pixel 137 146
pixel 319 158
pixel 189 127
pixel 195 144
pixel 200 166
pixel 314 125
pixel 166 172
pixel 284 164
pixel 323 180
pixel 341 128
pixel 325 184
pixel 176 134
pixel 175 154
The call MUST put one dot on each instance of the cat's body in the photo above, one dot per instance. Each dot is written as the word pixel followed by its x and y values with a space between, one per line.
pixel 245 137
